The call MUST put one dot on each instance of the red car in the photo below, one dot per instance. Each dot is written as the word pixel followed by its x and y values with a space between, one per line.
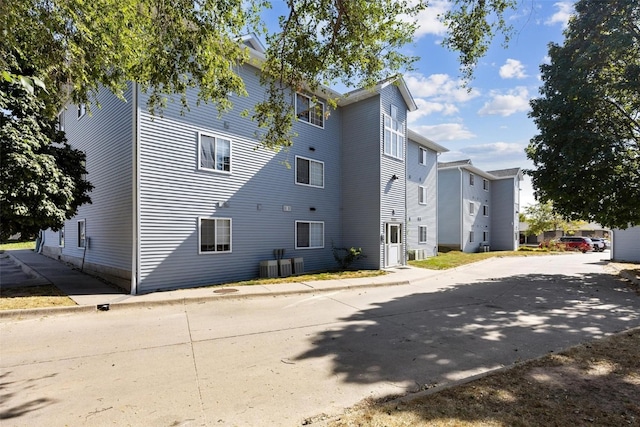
pixel 583 244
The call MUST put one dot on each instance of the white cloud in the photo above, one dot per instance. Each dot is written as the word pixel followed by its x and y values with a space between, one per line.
pixel 515 101
pixel 512 69
pixel 562 15
pixel 439 87
pixel 445 132
pixel 428 20
pixel 426 108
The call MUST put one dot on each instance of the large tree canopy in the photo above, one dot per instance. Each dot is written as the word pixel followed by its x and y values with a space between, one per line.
pixel 41 177
pixel 61 49
pixel 587 154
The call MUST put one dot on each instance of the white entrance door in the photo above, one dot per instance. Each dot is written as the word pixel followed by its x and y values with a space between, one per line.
pixel 393 244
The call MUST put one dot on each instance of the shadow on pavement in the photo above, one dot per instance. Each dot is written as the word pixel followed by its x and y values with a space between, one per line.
pixel 426 339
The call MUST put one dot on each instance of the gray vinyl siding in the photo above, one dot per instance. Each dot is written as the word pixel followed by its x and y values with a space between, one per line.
pixel 421 215
pixel 626 245
pixel 476 222
pixel 392 193
pixel 504 219
pixel 449 209
pixel 174 193
pixel 361 178
pixel 105 136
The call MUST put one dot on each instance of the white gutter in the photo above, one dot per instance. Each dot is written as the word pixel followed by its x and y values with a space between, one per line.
pixel 461 211
pixel 135 241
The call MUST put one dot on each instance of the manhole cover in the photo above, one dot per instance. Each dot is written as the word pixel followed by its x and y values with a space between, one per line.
pixel 225 291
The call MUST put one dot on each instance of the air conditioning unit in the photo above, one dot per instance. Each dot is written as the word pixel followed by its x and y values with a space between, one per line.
pixel 269 268
pixel 285 267
pixel 298 265
pixel 420 254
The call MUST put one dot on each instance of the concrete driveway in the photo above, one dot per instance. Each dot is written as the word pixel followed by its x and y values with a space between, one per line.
pixel 284 359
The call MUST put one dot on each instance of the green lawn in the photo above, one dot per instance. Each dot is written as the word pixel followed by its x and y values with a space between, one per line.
pixel 453 259
pixel 7 246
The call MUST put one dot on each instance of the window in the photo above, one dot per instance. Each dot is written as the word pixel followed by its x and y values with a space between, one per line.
pixel 485 185
pixel 423 156
pixel 82 236
pixel 393 134
pixel 309 111
pixel 422 234
pixel 82 110
pixel 61 237
pixel 472 208
pixel 485 210
pixel 309 235
pixel 215 235
pixel 214 153
pixel 422 195
pixel 309 172
pixel 471 178
pixel 471 237
pixel 485 236
pixel 60 124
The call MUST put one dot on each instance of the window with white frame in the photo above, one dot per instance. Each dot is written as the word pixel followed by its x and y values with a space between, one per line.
pixel 423 156
pixel 82 234
pixel 472 208
pixel 310 111
pixel 485 210
pixel 422 234
pixel 485 236
pixel 214 153
pixel 61 237
pixel 422 195
pixel 82 110
pixel 215 235
pixel 485 185
pixel 472 178
pixel 393 134
pixel 471 236
pixel 309 234
pixel 309 172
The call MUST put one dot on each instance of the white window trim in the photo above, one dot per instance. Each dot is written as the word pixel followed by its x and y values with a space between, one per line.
pixel 422 159
pixel 422 194
pixel 215 136
pixel 216 252
pixel 485 184
pixel 399 134
pixel 420 227
pixel 472 208
pixel 485 210
pixel 60 124
pixel 317 102
pixel 309 160
pixel 81 221
pixel 296 235
pixel 472 179
pixel 472 237
pixel 82 110
pixel 485 236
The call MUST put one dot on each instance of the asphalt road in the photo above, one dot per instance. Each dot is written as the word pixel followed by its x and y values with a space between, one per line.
pixel 276 361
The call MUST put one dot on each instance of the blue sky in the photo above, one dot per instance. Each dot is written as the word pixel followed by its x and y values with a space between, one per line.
pixel 488 124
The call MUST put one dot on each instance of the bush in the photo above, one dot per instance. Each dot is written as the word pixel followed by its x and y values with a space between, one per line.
pixel 347 256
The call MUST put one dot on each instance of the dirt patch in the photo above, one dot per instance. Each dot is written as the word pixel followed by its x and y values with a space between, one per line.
pixel 33 297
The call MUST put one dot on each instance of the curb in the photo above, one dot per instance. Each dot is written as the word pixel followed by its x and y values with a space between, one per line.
pixel 46 311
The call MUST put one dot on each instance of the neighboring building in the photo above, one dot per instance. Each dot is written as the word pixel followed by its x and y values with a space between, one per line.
pixel 190 199
pixel 422 200
pixel 478 209
pixel 625 244
pixel 590 229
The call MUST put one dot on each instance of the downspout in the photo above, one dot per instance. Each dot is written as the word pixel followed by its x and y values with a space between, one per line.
pixel 461 211
pixel 435 250
pixel 135 246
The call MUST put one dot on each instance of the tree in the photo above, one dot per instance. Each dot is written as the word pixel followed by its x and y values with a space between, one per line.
pixel 541 217
pixel 586 153
pixel 41 177
pixel 168 47
pixel 73 48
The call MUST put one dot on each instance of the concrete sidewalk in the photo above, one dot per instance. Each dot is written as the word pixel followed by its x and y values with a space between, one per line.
pixel 89 292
